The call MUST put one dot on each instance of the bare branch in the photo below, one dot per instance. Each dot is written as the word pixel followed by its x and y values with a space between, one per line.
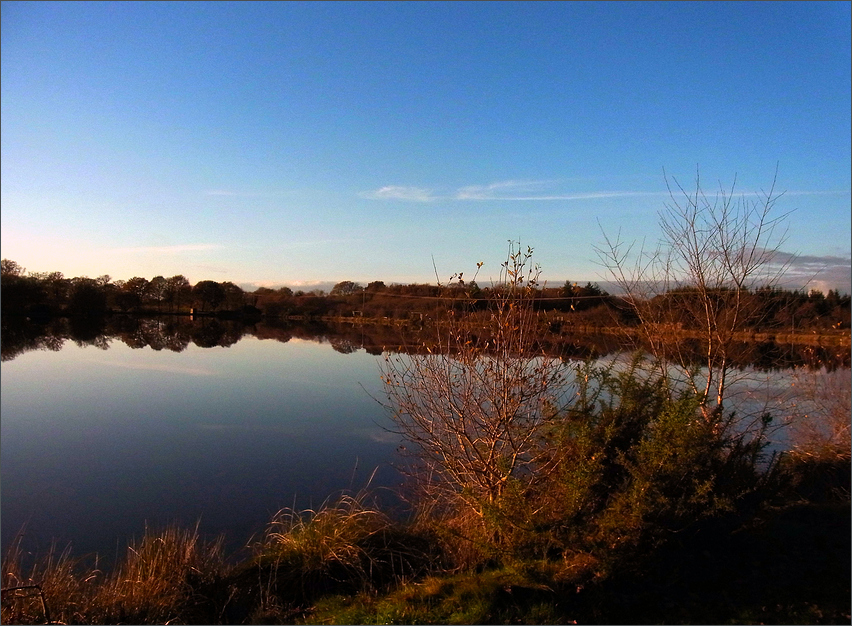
pixel 715 252
pixel 474 407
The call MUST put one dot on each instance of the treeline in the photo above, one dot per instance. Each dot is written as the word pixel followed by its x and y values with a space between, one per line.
pixel 420 302
pixel 767 308
pixel 52 294
pixel 46 295
pixel 49 294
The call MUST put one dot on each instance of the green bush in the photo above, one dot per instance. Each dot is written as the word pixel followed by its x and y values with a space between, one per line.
pixel 628 464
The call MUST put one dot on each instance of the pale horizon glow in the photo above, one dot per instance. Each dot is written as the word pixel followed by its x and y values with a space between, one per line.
pixel 192 247
pixel 302 144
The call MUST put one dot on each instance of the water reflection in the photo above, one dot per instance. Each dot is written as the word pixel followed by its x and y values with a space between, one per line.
pixel 176 333
pixel 109 424
pixel 95 443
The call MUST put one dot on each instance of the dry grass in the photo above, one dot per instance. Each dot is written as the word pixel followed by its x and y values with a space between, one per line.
pixel 162 576
pixel 346 546
pixel 342 543
pixel 160 580
pixel 331 537
pixel 174 577
pixel 51 589
pixel 819 419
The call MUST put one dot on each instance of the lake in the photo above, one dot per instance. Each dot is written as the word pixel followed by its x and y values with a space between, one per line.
pixel 104 432
pixel 97 442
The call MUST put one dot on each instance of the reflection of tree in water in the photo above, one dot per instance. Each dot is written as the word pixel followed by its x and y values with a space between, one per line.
pixel 88 331
pixel 20 335
pixel 157 333
pixel 145 332
pixel 175 333
pixel 175 337
pixel 274 329
pixel 343 345
pixel 771 356
pixel 211 333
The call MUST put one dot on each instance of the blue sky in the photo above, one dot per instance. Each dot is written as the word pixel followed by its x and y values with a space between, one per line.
pixel 296 143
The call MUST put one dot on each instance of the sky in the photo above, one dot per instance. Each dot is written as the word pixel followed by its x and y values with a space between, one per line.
pixel 305 143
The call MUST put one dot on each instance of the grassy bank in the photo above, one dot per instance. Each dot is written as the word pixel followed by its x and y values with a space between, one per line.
pixel 349 563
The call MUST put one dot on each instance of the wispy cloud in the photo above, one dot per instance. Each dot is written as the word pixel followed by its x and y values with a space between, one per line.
pixel 531 190
pixel 805 260
pixel 803 192
pixel 215 269
pixel 178 249
pixel 318 242
pixel 500 189
pixel 596 195
pixel 509 190
pixel 398 192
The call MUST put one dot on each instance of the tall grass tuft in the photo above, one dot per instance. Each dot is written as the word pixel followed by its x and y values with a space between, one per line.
pixel 822 406
pixel 164 576
pixel 345 546
pixel 169 576
pixel 55 588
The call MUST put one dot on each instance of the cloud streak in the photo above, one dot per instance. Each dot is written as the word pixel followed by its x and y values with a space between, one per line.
pixel 509 190
pixel 596 195
pixel 805 260
pixel 230 193
pixel 839 192
pixel 318 242
pixel 528 190
pixel 397 192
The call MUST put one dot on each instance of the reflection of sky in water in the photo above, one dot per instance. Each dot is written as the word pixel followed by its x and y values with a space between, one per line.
pixel 95 443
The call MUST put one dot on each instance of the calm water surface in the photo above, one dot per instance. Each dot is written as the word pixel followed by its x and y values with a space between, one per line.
pixel 95 443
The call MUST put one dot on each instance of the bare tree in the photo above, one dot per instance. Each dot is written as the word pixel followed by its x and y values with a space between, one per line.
pixel 474 404
pixel 698 281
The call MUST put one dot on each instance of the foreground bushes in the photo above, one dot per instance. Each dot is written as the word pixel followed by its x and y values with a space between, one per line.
pixel 634 507
pixel 626 464
pixel 348 563
pixel 786 565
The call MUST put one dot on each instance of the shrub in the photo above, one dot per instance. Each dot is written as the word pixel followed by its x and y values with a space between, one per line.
pixel 632 465
pixel 518 456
